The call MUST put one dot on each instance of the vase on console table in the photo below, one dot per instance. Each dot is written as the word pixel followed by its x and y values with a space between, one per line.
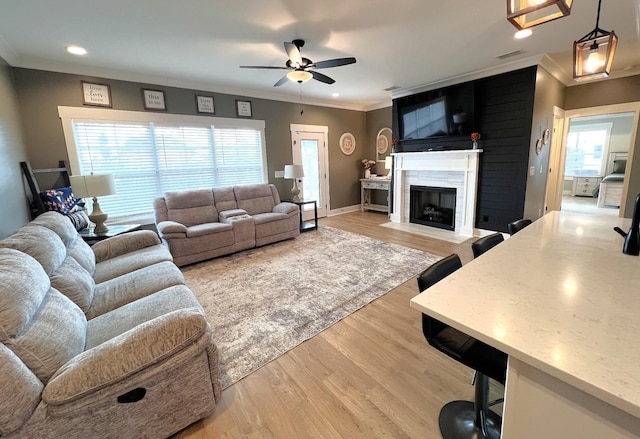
pixel 475 145
pixel 367 173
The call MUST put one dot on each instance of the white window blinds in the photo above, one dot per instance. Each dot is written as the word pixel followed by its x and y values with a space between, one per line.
pixel 165 152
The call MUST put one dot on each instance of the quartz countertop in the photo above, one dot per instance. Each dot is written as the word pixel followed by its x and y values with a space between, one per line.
pixel 560 296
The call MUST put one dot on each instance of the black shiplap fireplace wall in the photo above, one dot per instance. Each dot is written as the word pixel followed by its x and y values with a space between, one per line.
pixel 504 114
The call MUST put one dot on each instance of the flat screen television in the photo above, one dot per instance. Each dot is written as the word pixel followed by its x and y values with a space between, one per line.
pixel 437 113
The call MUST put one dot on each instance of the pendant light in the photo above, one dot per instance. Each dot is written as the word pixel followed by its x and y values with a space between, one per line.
pixel 524 14
pixel 593 53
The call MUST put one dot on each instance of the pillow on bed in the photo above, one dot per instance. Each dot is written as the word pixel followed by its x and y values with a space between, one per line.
pixel 619 166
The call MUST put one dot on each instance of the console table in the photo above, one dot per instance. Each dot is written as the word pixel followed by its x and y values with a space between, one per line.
pixel 568 324
pixel 368 186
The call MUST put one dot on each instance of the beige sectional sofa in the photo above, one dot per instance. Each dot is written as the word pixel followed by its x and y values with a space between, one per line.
pixel 206 223
pixel 103 341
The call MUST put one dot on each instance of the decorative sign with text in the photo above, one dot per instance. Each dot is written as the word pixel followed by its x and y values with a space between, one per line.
pixel 96 94
pixel 153 100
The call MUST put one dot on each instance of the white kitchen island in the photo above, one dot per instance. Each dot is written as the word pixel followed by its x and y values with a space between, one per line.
pixel 563 301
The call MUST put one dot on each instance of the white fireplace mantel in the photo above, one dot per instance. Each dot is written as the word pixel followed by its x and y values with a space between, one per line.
pixel 459 167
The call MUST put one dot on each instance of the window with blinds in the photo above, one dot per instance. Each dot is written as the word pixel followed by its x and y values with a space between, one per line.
pixel 165 152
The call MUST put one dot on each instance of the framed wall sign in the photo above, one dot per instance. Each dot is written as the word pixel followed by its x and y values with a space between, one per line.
pixel 347 143
pixel 96 94
pixel 243 108
pixel 205 104
pixel 153 100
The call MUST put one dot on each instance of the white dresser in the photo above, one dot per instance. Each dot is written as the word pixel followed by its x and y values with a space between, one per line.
pixel 584 186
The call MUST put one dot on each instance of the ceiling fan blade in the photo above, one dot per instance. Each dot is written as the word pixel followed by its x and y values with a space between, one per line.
pixel 333 63
pixel 281 81
pixel 293 53
pixel 264 67
pixel 322 78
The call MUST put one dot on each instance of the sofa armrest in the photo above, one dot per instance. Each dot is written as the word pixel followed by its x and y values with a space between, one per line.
pixel 121 357
pixel 226 214
pixel 167 227
pixel 123 244
pixel 285 207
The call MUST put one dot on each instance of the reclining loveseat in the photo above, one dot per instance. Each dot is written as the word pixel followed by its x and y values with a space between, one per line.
pixel 202 224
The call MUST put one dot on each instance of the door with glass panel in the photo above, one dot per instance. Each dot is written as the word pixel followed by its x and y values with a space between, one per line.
pixel 309 149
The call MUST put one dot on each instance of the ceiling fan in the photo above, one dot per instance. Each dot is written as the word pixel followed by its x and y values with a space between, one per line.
pixel 303 69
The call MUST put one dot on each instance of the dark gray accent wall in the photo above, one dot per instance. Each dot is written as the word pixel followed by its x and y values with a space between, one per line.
pixel 14 211
pixel 549 92
pixel 612 91
pixel 41 92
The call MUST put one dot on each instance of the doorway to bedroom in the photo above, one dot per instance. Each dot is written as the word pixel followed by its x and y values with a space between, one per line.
pixel 595 143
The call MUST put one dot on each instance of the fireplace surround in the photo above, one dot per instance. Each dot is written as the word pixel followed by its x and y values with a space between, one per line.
pixel 456 169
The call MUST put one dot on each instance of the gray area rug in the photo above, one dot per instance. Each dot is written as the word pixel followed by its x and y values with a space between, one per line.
pixel 263 302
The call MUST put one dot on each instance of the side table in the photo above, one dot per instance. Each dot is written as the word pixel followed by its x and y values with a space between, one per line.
pixel 91 237
pixel 305 226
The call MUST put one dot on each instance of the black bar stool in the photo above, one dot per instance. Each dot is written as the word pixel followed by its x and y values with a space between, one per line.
pixel 486 243
pixel 464 419
pixel 518 225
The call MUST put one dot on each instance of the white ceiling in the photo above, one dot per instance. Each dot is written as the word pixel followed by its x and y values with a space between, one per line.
pixel 409 44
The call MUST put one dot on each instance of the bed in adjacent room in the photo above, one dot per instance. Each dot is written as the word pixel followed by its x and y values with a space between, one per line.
pixel 610 192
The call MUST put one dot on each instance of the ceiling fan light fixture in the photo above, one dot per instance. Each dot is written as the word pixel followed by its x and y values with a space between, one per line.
pixel 593 53
pixel 299 76
pixel 524 14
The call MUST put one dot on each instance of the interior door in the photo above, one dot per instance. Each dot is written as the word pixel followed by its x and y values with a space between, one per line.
pixel 309 148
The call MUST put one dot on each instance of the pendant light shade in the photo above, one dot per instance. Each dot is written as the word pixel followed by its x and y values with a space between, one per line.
pixel 593 53
pixel 524 14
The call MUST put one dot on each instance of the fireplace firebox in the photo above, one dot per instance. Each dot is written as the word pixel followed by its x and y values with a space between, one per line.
pixel 433 206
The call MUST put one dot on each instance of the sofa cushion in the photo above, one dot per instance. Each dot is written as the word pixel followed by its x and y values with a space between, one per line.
pixel 254 198
pixel 22 290
pixel 76 247
pixel 19 392
pixel 207 229
pixel 126 317
pixel 128 262
pixel 60 200
pixel 72 280
pixel 40 243
pixel 191 207
pixel 225 198
pixel 124 289
pixel 59 224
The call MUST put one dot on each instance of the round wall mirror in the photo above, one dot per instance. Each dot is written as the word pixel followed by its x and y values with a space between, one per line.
pixel 383 144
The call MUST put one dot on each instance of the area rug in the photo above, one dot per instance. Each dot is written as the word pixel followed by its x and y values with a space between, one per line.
pixel 263 302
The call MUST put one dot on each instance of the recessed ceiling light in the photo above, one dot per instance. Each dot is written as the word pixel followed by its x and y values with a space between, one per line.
pixel 335 95
pixel 524 33
pixel 76 50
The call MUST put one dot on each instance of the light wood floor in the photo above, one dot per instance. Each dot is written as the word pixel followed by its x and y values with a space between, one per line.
pixel 371 375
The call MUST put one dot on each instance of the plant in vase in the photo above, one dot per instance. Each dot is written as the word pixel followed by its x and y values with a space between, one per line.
pixel 474 138
pixel 368 166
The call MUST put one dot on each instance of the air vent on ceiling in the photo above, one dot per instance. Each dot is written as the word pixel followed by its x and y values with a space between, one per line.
pixel 393 87
pixel 510 54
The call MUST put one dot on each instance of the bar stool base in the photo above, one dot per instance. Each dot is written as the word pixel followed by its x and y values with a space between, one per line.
pixel 457 421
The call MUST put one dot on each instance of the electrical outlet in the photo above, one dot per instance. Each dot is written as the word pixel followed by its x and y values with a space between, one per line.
pixel 279 174
pixel 532 170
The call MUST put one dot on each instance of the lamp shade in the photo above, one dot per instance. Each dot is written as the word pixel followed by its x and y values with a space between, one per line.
pixel 592 57
pixel 388 162
pixel 293 171
pixel 524 14
pixel 94 185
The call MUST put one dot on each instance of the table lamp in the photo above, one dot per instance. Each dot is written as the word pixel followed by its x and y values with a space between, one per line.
pixel 94 186
pixel 295 172
pixel 388 164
